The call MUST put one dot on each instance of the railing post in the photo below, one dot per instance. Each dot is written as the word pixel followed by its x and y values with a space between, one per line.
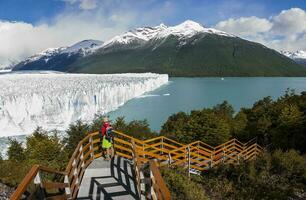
pixel 162 146
pixel 223 154
pixel 91 149
pixel 82 156
pixel 152 192
pixel 198 150
pixel 211 159
pixel 188 149
pixel 37 181
pixel 143 150
pixel 67 189
pixel 142 184
pixel 170 158
pixel 75 172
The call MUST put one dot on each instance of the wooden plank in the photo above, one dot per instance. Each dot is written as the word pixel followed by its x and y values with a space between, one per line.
pixel 57 197
pixel 95 141
pixel 122 141
pixel 173 141
pixel 124 155
pixel 153 139
pixel 56 185
pixel 122 148
pixel 86 147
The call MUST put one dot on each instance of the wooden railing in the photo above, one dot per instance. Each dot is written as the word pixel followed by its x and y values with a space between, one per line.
pixel 196 157
pixel 36 175
pixel 159 189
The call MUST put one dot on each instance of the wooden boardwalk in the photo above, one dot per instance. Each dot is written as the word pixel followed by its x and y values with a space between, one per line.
pixel 88 176
pixel 114 179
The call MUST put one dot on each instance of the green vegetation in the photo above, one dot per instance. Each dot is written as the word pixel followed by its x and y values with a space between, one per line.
pixel 279 126
pixel 181 186
pixel 46 148
pixel 277 175
pixel 202 55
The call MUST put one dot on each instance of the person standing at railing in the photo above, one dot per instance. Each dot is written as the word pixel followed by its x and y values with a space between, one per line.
pixel 107 138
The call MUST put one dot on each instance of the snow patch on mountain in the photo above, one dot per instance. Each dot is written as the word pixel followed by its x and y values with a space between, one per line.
pixel 142 34
pixel 300 54
pixel 84 47
pixel 53 101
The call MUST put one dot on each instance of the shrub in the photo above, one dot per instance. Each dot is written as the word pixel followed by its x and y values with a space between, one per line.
pixel 181 186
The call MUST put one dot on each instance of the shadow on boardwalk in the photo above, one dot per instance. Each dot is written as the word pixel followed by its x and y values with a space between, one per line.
pixel 113 179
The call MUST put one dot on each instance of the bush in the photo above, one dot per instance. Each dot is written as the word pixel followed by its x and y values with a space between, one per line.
pixel 180 186
pixel 278 175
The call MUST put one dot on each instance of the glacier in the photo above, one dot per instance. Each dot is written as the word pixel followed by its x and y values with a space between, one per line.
pixel 55 100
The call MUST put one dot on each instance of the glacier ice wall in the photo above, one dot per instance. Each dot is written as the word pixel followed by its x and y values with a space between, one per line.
pixel 56 100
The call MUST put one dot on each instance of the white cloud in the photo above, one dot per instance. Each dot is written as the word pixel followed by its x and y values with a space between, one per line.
pixel 88 4
pixel 284 31
pixel 83 4
pixel 288 22
pixel 245 26
pixel 19 39
pixel 110 17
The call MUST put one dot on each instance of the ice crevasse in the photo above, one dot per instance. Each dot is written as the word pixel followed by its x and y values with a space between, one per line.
pixel 53 101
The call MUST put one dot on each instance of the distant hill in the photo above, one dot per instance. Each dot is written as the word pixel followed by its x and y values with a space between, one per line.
pixel 187 49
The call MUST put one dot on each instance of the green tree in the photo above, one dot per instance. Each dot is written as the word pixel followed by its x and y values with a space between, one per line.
pixel 15 151
pixel 45 149
pixel 137 128
pixel 224 110
pixel 205 125
pixel 75 133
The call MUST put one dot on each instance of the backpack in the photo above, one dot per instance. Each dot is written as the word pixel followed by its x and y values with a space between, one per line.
pixel 109 133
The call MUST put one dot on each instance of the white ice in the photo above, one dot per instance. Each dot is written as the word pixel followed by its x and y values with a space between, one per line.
pixel 56 100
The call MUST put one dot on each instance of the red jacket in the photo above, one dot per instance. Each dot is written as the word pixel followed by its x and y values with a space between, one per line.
pixel 104 127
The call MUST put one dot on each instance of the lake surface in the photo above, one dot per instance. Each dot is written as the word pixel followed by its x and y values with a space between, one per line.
pixel 186 94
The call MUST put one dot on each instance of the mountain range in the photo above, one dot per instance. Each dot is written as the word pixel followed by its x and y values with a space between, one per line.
pixel 187 49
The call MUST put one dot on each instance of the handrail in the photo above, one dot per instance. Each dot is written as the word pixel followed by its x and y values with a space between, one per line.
pixel 29 178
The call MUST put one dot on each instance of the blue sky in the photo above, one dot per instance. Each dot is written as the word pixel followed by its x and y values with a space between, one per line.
pixel 30 26
pixel 207 12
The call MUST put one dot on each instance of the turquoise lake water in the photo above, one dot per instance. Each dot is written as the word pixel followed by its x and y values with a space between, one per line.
pixel 186 94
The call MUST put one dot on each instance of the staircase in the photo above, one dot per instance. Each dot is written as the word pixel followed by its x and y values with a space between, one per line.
pixel 133 173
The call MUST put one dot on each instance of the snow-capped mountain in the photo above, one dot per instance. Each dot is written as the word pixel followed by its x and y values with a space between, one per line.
pixel 298 56
pixel 187 49
pixel 183 31
pixel 84 47
pixel 58 58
